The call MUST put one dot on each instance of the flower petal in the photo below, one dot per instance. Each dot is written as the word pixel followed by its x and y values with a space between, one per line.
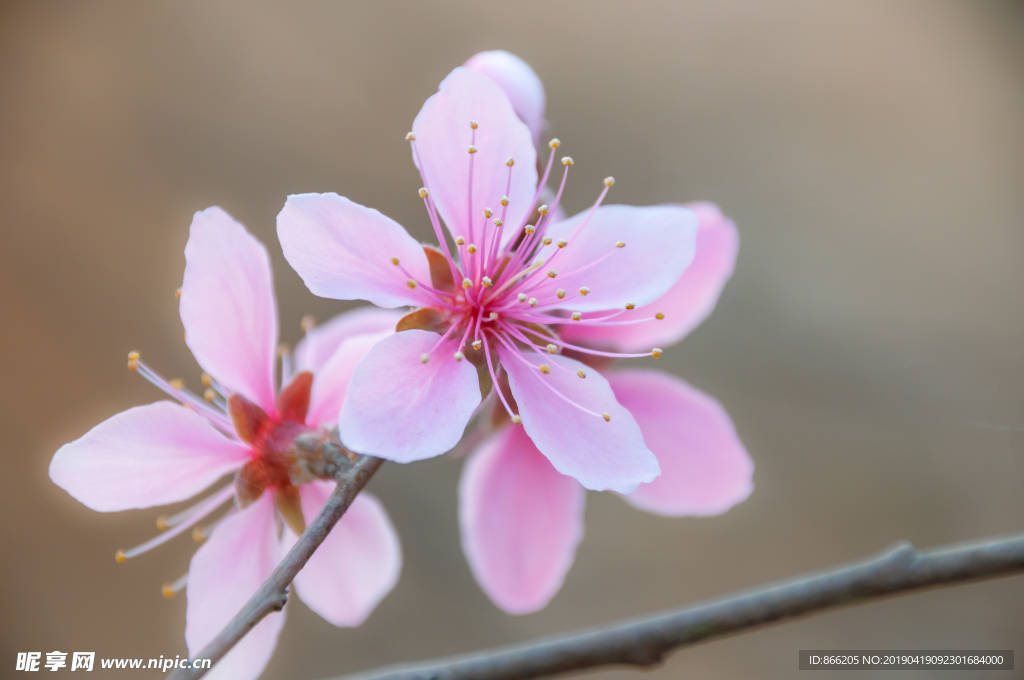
pixel 225 572
pixel 343 250
pixel 148 455
pixel 704 468
pixel 358 564
pixel 320 343
pixel 515 77
pixel 521 521
pixel 330 383
pixel 687 303
pixel 600 455
pixel 228 308
pixel 659 247
pixel 443 138
pixel 402 409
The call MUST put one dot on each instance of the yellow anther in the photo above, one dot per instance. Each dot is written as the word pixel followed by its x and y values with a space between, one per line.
pixel 207 380
pixel 473 124
pixel 510 161
pixel 497 222
pixel 560 293
pixel 554 143
pixel 656 352
pixel 529 229
pixel 410 283
pixel 119 556
pixel 167 591
pixel 552 273
pixel 198 536
pixel 504 200
pixel 460 241
pixel 424 192
pixel 567 161
pixel 424 358
pixel 659 316
pixel 467 284
pixel 161 522
pixel 576 316
pixel 620 244
pixel 516 419
pixel 307 323
pixel 546 240
pixel 209 394
pixel 133 361
pixel 486 282
pixel 545 369
pixel 133 356
pixel 562 243
pixel 533 302
pixel 584 291
pixel 459 356
pixel 581 373
pixel 410 136
pixel 552 348
pixel 395 261
pixel 630 305
pixel 608 181
pixel 521 297
pixel 177 293
pixel 177 383
pixel 607 416
pixel 494 316
pixel 477 344
pixel 543 210
pixel 471 248
pixel 473 150
pixel 488 213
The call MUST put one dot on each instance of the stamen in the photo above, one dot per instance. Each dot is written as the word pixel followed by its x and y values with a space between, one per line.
pixel 581 373
pixel 497 222
pixel 560 293
pixel 607 417
pixel 620 244
pixel 584 291
pixel 488 213
pixel 477 344
pixel 552 273
pixel 177 293
pixel 609 181
pixel 504 199
pixel 546 240
pixel 307 324
pixel 562 243
pixel 516 420
pixel 659 316
pixel 473 149
pixel 133 361
pixel 533 302
pixel 552 348
pixel 169 589
pixel 473 124
pixel 471 248
pixel 424 192
pixel 521 297
pixel 576 316
pixel 630 305
pixel 460 241
pixel 410 136
pixel 656 352
pixel 486 282
pixel 424 358
pixel 554 143
pixel 544 368
pixel 394 261
pixel 543 210
pixel 567 161
pixel 459 356
pixel 467 284
pixel 410 283
pixel 510 162
pixel 196 513
pixel 210 394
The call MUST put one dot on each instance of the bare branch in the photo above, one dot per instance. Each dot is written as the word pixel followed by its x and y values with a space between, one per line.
pixel 272 595
pixel 646 641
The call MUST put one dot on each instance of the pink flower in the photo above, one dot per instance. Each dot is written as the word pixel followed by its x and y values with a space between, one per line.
pixel 488 308
pixel 520 519
pixel 164 453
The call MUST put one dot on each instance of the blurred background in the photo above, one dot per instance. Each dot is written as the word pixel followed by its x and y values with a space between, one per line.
pixel 870 347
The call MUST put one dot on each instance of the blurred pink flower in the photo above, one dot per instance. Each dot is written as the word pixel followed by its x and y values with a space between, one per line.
pixel 164 453
pixel 487 309
pixel 521 520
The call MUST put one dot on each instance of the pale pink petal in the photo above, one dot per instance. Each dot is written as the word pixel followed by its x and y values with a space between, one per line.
pixel 403 409
pixel 521 521
pixel 358 564
pixel 344 251
pixel 704 468
pixel 227 306
pixel 520 83
pixel 443 138
pixel 687 303
pixel 330 383
pixel 321 341
pixel 659 245
pixel 224 574
pixel 148 455
pixel 600 455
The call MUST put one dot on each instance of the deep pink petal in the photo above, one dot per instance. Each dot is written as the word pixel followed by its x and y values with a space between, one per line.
pixel 521 521
pixel 402 409
pixel 358 564
pixel 227 306
pixel 659 247
pixel 600 455
pixel 343 250
pixel 443 138
pixel 321 341
pixel 330 383
pixel 148 455
pixel 225 572
pixel 519 82
pixel 687 303
pixel 704 468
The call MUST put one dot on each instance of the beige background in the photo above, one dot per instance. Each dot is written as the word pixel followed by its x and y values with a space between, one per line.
pixel 870 347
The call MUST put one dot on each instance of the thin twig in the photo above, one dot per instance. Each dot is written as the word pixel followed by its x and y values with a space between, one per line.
pixel 646 641
pixel 273 594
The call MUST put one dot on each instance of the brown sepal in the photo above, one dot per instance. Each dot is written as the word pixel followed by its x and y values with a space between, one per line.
pixel 440 270
pixel 250 482
pixel 293 401
pixel 425 319
pixel 248 418
pixel 289 504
